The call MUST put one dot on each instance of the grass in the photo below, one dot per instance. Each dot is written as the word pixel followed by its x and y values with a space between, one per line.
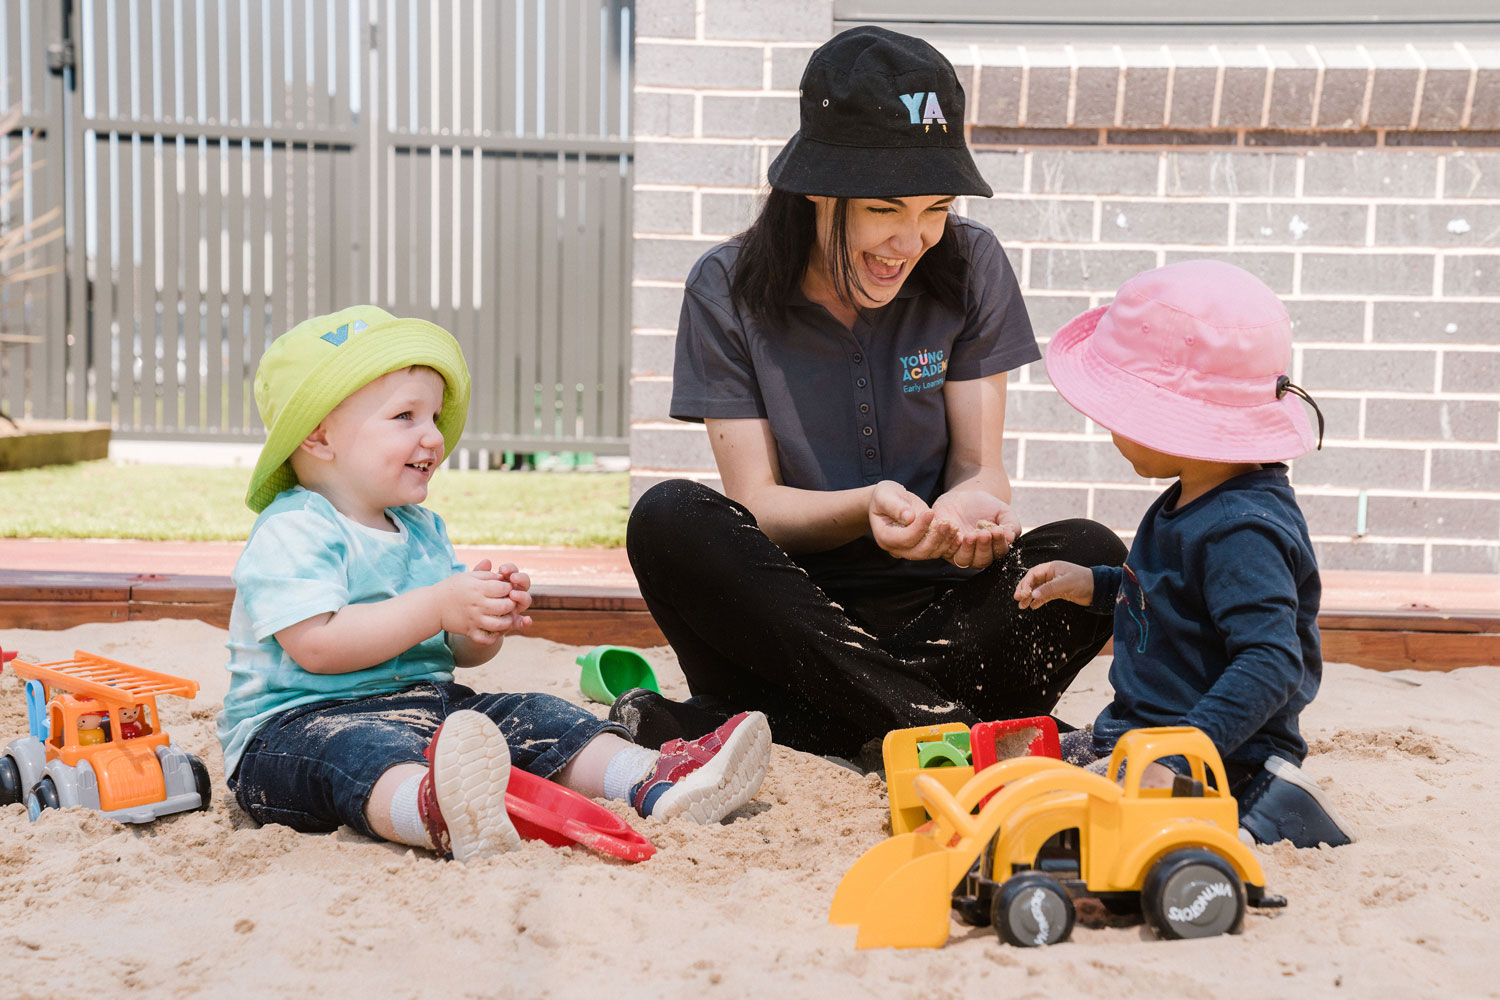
pixel 104 500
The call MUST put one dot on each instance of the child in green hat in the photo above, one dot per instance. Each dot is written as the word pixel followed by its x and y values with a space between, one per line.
pixel 351 614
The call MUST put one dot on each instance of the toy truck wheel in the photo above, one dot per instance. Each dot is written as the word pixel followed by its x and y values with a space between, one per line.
pixel 10 782
pixel 43 795
pixel 1193 893
pixel 1032 910
pixel 200 779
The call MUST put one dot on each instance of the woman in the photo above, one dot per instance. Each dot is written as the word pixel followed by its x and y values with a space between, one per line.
pixel 848 355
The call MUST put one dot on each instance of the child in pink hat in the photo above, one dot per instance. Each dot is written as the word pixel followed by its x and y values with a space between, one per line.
pixel 1215 610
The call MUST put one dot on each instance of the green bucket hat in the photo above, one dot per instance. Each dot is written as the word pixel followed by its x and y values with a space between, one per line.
pixel 320 362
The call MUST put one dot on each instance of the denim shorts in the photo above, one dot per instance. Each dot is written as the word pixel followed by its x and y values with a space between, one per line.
pixel 312 767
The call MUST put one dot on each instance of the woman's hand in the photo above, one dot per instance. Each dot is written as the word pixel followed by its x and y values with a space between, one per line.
pixel 984 527
pixel 1050 580
pixel 904 525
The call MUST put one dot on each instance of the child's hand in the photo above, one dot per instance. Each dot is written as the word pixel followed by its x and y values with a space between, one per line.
pixel 984 527
pixel 480 605
pixel 903 524
pixel 1050 580
pixel 520 592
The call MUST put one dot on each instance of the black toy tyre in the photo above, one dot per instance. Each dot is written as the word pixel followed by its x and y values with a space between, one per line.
pixel 45 793
pixel 1193 893
pixel 200 778
pixel 10 782
pixel 1032 910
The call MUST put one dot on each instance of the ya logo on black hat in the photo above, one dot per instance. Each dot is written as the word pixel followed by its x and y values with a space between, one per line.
pixel 924 112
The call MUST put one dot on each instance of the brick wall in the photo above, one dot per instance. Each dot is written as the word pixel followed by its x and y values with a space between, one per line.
pixel 1362 183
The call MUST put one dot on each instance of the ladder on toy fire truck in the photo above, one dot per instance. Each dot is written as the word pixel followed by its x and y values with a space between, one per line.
pixel 103 679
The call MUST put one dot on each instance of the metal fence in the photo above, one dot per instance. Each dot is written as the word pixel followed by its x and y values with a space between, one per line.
pixel 232 166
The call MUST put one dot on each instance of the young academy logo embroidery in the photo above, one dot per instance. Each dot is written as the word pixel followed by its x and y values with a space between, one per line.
pixel 337 337
pixel 1135 606
pixel 924 109
pixel 923 370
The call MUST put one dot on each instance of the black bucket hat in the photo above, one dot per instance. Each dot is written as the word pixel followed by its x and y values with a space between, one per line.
pixel 882 117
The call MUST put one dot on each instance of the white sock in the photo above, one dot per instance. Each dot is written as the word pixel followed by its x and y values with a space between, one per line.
pixel 406 819
pixel 625 771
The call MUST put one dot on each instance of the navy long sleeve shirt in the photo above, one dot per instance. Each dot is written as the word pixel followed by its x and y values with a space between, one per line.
pixel 1216 620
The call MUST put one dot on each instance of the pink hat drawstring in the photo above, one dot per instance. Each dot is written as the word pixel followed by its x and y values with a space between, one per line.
pixel 1285 385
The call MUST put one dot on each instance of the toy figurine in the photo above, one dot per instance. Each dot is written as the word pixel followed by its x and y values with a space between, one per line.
pixel 131 725
pixel 90 729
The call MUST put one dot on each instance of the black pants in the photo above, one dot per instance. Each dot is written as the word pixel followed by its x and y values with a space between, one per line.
pixel 752 631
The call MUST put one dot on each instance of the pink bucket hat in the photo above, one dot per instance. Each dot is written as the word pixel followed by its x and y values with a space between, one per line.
pixel 1190 359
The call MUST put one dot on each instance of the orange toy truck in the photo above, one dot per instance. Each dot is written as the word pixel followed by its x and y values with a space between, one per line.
pixel 96 740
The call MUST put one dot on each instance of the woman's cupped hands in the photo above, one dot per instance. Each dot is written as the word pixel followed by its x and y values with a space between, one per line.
pixel 968 528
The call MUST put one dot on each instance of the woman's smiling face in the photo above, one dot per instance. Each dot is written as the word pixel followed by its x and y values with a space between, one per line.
pixel 885 237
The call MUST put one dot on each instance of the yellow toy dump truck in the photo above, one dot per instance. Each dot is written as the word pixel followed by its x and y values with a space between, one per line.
pixel 96 741
pixel 1053 831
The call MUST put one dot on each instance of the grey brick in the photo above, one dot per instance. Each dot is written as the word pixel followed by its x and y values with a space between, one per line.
pixel 1329 514
pixel 666 19
pixel 1306 222
pixel 1049 312
pixel 1438 225
pixel 1443 95
pixel 1486 113
pixel 1121 508
pixel 664 211
pixel 1393 93
pixel 680 447
pixel 1292 91
pixel 1087 270
pixel 663 115
pixel 1363 468
pixel 1437 322
pixel 1034 219
pixel 1340 415
pixel 1235 174
pixel 1047 96
pixel 1038 505
pixel 1098 93
pixel 1093 172
pixel 1433 419
pixel 667 260
pixel 1275 269
pixel 727 214
pixel 1005 172
pixel 1465 469
pixel 1468 174
pixel 650 399
pixel 769 20
pixel 640 483
pixel 1343 98
pixel 1035 373
pixel 1243 101
pixel 1165 222
pixel 652 353
pixel 721 164
pixel 999 101
pixel 1369 556
pixel 1471 371
pixel 1193 96
pixel 750 117
pixel 1367 273
pixel 1412 371
pixel 1075 461
pixel 1320 320
pixel 1040 410
pixel 1471 275
pixel 1145 103
pixel 1384 173
pixel 1433 517
pixel 707 66
pixel 787 65
pixel 656 307
pixel 1466 559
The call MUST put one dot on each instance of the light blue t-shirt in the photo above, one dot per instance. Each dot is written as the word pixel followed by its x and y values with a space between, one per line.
pixel 304 558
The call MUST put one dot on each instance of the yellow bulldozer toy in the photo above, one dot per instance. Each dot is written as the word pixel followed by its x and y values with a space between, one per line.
pixel 1046 831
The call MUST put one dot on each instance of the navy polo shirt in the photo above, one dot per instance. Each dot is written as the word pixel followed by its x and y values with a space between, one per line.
pixel 849 408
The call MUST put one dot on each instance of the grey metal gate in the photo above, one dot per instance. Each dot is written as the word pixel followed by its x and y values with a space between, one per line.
pixel 232 166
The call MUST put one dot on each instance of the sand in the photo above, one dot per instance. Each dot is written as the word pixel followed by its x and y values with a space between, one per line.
pixel 207 903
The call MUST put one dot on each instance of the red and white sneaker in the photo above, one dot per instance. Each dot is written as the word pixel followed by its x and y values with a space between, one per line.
pixel 461 798
pixel 708 778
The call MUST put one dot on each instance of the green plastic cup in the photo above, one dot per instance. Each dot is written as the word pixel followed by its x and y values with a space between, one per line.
pixel 610 671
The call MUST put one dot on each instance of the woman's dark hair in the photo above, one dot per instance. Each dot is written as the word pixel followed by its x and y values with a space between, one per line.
pixel 775 250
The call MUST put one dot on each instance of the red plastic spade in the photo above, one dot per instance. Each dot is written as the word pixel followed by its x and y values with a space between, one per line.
pixel 546 811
